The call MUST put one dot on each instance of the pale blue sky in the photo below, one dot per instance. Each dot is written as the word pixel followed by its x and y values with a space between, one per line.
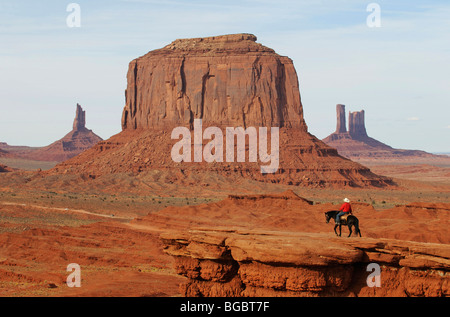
pixel 398 73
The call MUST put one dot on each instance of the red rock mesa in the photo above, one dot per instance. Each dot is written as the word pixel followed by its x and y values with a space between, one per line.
pixel 227 81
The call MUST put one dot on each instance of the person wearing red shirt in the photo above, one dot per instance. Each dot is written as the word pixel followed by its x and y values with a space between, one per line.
pixel 345 208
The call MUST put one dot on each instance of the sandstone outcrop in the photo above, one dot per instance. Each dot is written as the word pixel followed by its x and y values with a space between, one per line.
pixel 356 124
pixel 259 263
pixel 341 126
pixel 355 143
pixel 79 123
pixel 5 169
pixel 280 245
pixel 227 81
pixel 76 141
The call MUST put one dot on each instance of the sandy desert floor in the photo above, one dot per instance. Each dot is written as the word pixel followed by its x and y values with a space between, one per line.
pixel 46 224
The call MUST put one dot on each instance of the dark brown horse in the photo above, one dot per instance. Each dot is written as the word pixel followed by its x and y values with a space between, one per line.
pixel 351 221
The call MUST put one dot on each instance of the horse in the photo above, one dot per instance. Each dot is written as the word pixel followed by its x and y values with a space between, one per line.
pixel 351 221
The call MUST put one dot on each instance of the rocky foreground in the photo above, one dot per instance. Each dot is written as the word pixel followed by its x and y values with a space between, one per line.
pixel 258 263
pixel 252 245
pixel 299 255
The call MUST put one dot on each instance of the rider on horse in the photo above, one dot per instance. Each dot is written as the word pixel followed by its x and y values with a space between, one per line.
pixel 345 209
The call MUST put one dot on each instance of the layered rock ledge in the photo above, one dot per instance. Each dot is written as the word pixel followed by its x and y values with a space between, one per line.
pixel 281 245
pixel 221 262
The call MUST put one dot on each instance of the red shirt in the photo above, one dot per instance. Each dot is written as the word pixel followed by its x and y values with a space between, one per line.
pixel 346 207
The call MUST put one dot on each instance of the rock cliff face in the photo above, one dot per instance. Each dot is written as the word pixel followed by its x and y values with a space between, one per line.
pixel 357 125
pixel 225 80
pixel 281 245
pixel 252 263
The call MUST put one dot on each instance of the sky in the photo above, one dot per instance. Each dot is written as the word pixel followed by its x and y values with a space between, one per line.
pixel 397 71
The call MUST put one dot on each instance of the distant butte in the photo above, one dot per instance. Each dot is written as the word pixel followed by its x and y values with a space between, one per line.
pixel 76 141
pixel 72 144
pixel 356 144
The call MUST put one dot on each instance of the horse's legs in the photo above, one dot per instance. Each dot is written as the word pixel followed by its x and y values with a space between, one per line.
pixel 357 228
pixel 335 229
pixel 350 229
pixel 340 229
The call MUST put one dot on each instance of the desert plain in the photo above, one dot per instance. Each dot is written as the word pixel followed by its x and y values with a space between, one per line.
pixel 112 228
pixel 138 224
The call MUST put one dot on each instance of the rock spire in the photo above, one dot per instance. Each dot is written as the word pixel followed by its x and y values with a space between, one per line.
pixel 356 124
pixel 340 113
pixel 79 122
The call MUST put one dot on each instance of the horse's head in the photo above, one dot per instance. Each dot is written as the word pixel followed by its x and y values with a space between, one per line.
pixel 328 216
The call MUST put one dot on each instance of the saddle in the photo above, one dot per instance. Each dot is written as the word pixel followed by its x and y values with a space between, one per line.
pixel 344 218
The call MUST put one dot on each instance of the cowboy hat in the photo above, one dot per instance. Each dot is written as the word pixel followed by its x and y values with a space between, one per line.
pixel 346 200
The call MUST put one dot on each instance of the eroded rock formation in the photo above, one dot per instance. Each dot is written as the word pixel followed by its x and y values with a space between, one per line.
pixel 79 123
pixel 356 144
pixel 281 245
pixel 341 126
pixel 259 263
pixel 76 141
pixel 227 81
pixel 357 125
pixel 72 144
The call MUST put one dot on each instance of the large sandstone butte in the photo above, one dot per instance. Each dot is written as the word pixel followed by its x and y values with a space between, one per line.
pixel 227 81
pixel 355 143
